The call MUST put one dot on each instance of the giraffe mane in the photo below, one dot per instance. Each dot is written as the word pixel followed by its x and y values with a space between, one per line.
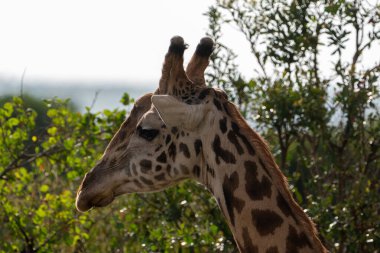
pixel 279 179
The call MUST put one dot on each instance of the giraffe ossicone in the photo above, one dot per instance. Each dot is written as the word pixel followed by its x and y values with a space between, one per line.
pixel 188 130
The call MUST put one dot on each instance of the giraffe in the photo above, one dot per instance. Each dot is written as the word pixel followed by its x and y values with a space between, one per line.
pixel 188 130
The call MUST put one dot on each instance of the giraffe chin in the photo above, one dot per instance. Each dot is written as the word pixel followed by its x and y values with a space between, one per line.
pixel 104 201
pixel 84 204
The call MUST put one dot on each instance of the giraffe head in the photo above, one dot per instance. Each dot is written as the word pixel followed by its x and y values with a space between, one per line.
pixel 159 144
pixel 185 130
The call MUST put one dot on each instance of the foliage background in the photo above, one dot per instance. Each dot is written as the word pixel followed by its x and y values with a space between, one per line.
pixel 324 130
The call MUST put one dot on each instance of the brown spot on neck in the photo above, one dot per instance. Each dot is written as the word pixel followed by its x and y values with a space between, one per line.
pixel 295 241
pixel 230 184
pixel 255 188
pixel 233 139
pixel 223 125
pixel 221 153
pixel 248 245
pixel 266 221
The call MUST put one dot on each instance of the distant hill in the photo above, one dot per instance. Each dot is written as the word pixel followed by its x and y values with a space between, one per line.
pixel 81 93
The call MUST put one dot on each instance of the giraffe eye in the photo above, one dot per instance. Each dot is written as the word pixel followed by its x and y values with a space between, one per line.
pixel 147 134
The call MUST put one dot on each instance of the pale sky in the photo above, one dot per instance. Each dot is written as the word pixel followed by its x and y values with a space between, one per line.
pixel 99 40
pixel 109 40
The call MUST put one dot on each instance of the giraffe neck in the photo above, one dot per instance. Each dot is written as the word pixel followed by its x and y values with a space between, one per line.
pixel 252 192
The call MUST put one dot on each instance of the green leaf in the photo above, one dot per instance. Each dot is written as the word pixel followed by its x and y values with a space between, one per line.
pixel 41 211
pixel 51 113
pixel 13 121
pixel 8 109
pixel 126 99
pixel 52 130
pixel 44 188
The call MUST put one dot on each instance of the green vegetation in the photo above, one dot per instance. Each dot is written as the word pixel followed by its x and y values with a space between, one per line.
pixel 323 130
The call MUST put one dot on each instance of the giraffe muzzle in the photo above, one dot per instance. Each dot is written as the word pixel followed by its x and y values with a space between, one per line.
pixel 81 204
pixel 84 203
pixel 92 194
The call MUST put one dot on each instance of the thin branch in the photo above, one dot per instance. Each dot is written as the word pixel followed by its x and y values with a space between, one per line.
pixel 368 72
pixel 16 163
pixel 28 241
pixel 49 238
pixel 159 208
pixel 375 145
pixel 22 83
pixel 95 98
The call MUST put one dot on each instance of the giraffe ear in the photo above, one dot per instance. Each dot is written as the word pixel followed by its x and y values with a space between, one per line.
pixel 176 113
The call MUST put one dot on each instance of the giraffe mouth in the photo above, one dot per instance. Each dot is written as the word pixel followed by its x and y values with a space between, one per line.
pixel 84 204
pixel 104 201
